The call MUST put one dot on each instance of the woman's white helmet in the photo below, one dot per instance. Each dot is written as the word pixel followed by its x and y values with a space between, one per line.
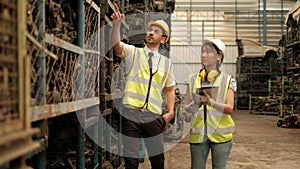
pixel 218 43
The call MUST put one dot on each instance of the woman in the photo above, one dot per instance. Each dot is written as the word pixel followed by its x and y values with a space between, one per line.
pixel 210 97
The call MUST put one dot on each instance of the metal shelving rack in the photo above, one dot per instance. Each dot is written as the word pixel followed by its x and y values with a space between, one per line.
pixel 64 45
pixel 289 113
pixel 16 132
pixel 255 79
pixel 57 108
pixel 56 69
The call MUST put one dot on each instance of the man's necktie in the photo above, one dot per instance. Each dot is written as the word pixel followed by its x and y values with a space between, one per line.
pixel 150 54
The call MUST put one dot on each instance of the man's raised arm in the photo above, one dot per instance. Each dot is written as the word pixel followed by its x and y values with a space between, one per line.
pixel 117 18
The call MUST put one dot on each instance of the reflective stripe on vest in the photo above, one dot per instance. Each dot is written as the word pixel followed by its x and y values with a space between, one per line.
pixel 212 130
pixel 136 88
pixel 220 126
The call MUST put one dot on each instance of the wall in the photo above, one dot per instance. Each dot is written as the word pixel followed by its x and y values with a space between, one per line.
pixel 194 20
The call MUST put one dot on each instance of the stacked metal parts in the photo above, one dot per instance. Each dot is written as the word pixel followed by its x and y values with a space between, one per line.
pixel 56 72
pixel 259 74
pixel 290 111
pixel 16 133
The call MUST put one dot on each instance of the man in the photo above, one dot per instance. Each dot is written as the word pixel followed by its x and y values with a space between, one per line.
pixel 148 74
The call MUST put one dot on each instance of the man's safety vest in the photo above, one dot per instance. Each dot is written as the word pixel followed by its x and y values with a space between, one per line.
pixel 138 93
pixel 219 126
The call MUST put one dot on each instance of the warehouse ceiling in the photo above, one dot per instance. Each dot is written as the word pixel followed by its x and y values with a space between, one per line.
pixel 195 20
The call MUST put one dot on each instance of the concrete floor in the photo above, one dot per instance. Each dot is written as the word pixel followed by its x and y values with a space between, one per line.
pixel 258 144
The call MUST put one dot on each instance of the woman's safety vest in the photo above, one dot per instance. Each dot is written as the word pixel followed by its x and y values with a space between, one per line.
pixel 219 126
pixel 137 93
